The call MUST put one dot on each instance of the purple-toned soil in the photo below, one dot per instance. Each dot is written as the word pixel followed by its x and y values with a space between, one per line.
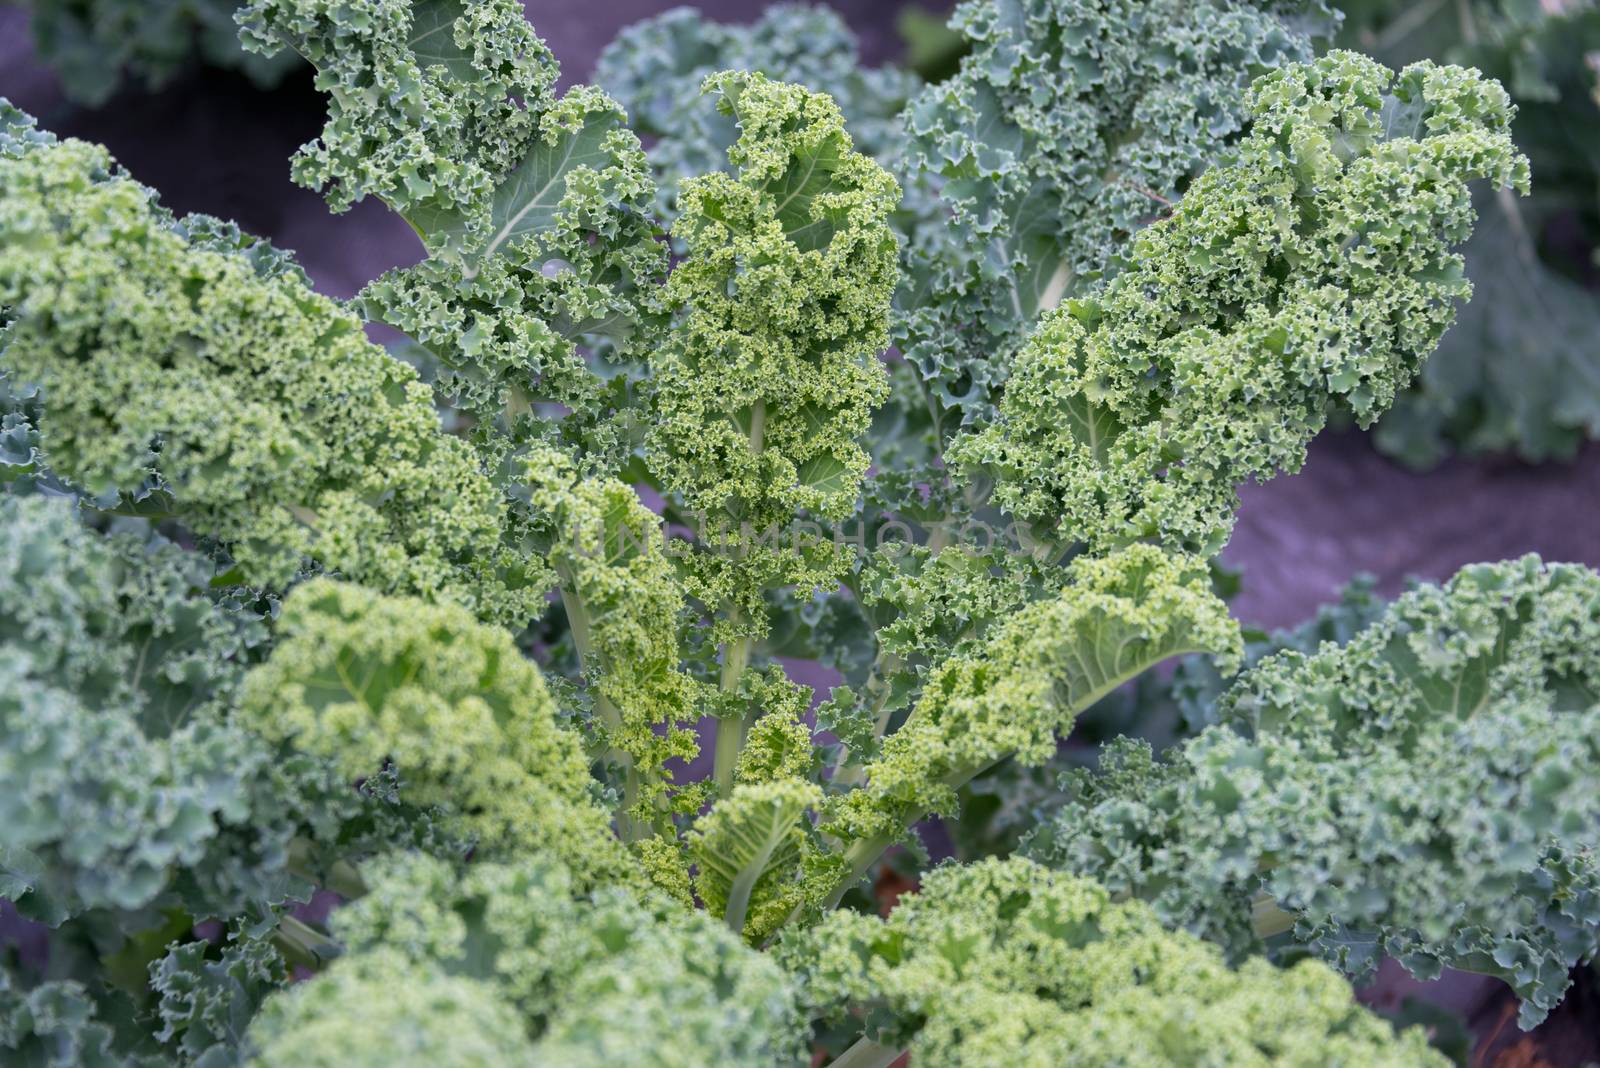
pixel 212 143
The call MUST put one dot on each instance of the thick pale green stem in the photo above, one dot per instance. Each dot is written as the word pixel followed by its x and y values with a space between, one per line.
pixel 577 620
pixel 629 827
pixel 344 879
pixel 866 1054
pixel 731 731
pixel 1055 288
pixel 730 743
pixel 758 426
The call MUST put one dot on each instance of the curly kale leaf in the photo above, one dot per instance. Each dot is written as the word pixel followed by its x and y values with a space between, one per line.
pixel 207 996
pixel 1071 126
pixel 1006 962
pixel 135 804
pixel 378 1009
pixel 625 607
pixel 582 976
pixel 747 852
pixel 21 467
pixel 1188 701
pixel 57 1024
pixel 771 373
pixel 116 671
pixel 1426 790
pixel 306 442
pixel 19 131
pixel 1521 370
pixel 544 262
pixel 466 721
pixel 1315 263
pixel 1112 619
pixel 433 106
pixel 129 783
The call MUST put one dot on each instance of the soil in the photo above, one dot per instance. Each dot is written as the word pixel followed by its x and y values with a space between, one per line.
pixel 213 143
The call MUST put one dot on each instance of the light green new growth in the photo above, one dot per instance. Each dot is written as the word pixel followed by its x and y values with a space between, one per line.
pixel 1113 618
pixel 913 608
pixel 593 977
pixel 779 744
pixel 514 926
pixel 1314 262
pixel 464 718
pixel 187 367
pixel 1429 790
pixel 771 372
pixel 1006 963
pixel 625 607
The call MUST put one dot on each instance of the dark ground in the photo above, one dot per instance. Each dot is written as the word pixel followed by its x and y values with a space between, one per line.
pixel 213 143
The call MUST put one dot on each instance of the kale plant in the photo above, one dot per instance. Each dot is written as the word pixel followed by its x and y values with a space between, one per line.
pixel 493 647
